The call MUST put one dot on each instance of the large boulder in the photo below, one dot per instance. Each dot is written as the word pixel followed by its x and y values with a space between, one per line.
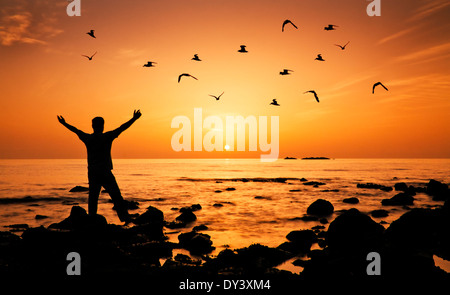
pixel 196 243
pixel 439 191
pixel 353 231
pixel 80 220
pixel 401 199
pixel 320 207
pixel 152 215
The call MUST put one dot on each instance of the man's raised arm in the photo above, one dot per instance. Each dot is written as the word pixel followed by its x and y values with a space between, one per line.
pixel 68 126
pixel 136 115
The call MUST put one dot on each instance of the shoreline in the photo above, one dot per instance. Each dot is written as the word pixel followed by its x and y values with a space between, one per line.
pixel 407 246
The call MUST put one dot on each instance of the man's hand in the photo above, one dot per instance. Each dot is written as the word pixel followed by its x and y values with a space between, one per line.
pixel 61 119
pixel 136 115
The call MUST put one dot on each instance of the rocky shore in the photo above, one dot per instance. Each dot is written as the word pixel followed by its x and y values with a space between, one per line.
pixel 141 250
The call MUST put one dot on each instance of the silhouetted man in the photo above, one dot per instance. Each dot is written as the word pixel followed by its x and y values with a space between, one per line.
pixel 98 145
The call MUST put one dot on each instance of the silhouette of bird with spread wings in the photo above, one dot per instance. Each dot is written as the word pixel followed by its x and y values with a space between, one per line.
pixel 376 84
pixel 319 57
pixel 89 57
pixel 187 75
pixel 274 102
pixel 217 97
pixel 287 22
pixel 286 72
pixel 196 58
pixel 149 64
pixel 330 27
pixel 342 47
pixel 91 33
pixel 243 50
pixel 313 92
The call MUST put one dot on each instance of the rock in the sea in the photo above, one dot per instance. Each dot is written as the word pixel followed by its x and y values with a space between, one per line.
pixel 401 199
pixel 353 231
pixel 379 213
pixel 38 216
pixel 196 243
pixel 186 216
pixel 374 186
pixel 352 200
pixel 199 227
pixel 400 186
pixel 314 183
pixel 320 207
pixel 439 191
pixel 152 215
pixel 78 189
pixel 300 241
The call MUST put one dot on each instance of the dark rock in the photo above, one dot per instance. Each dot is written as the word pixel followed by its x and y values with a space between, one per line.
pixel 80 220
pixel 152 215
pixel 192 208
pixel 314 183
pixel 186 216
pixel 416 229
pixel 295 190
pixel 78 189
pixel 230 189
pixel 352 200
pixel 217 191
pixel 323 220
pixel 353 231
pixel 379 213
pixel 196 243
pixel 400 186
pixel 303 179
pixel 218 205
pixel 439 191
pixel 175 224
pixel 200 227
pixel 301 241
pixel 38 217
pixel 374 186
pixel 320 207
pixel 401 199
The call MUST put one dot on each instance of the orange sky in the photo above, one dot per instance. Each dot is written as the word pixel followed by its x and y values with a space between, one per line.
pixel 42 74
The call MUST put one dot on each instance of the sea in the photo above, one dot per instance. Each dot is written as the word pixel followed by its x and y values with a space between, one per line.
pixel 244 201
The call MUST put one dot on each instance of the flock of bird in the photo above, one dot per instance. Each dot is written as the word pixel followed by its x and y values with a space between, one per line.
pixel 243 49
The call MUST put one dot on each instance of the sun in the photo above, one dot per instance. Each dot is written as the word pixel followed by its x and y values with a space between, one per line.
pixel 226 147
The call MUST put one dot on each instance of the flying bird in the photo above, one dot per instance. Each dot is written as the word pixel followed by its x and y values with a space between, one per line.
pixel 330 28
pixel 313 92
pixel 274 102
pixel 319 57
pixel 287 22
pixel 286 72
pixel 89 57
pixel 91 33
pixel 196 57
pixel 342 47
pixel 217 97
pixel 243 50
pixel 149 64
pixel 376 84
pixel 187 75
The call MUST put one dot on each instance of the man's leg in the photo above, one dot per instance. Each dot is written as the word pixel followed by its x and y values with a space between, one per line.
pixel 111 186
pixel 94 191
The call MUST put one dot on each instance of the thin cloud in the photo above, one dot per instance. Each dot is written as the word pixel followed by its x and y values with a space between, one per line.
pixel 429 9
pixel 20 26
pixel 433 52
pixel 397 35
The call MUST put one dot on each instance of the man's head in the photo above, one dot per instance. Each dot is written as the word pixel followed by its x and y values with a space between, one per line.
pixel 98 124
